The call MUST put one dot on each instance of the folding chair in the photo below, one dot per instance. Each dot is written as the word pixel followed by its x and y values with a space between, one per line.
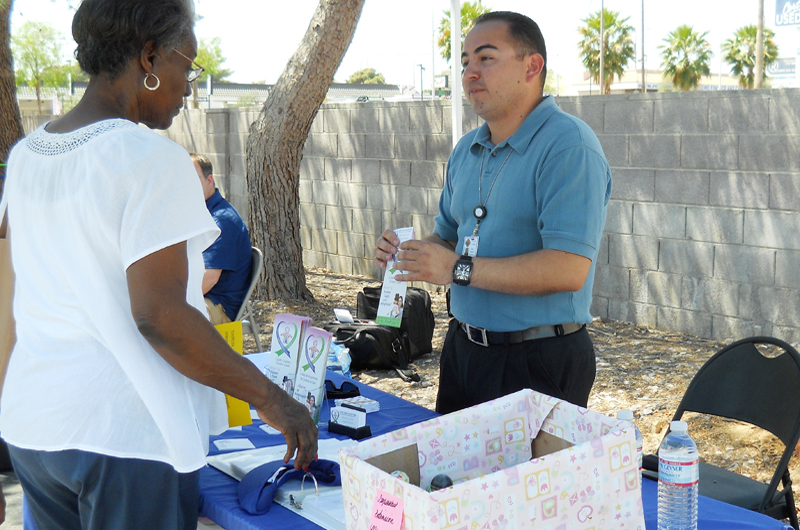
pixel 741 383
pixel 246 313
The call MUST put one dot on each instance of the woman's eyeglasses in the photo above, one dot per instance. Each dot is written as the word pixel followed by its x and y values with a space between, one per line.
pixel 194 73
pixel 346 390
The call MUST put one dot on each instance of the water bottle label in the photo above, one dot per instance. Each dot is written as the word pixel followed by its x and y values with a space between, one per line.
pixel 678 473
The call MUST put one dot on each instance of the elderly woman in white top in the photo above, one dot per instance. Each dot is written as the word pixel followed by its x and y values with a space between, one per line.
pixel 114 382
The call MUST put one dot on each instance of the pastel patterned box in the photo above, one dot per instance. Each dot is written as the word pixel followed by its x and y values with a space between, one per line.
pixel 525 460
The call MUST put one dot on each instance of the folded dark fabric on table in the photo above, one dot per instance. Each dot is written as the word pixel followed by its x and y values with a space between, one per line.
pixel 258 487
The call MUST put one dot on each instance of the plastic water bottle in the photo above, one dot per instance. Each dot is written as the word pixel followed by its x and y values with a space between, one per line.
pixel 627 415
pixel 678 478
pixel 339 359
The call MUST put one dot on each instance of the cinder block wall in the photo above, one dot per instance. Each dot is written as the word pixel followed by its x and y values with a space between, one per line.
pixel 703 228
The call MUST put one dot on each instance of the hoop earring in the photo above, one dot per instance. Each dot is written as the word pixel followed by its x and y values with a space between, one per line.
pixel 158 81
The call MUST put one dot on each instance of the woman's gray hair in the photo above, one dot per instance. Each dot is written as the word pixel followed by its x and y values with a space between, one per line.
pixel 111 32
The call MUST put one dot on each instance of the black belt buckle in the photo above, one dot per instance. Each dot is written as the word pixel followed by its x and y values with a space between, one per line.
pixel 477 335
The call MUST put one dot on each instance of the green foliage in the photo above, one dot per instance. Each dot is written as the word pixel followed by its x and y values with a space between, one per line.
pixel 618 46
pixel 366 76
pixel 37 55
pixel 209 56
pixel 685 57
pixel 740 52
pixel 554 83
pixel 469 12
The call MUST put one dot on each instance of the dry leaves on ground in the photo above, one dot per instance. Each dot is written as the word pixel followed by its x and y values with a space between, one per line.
pixel 640 369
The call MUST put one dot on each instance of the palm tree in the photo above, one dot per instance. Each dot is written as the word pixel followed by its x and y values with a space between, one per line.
pixel 618 46
pixel 469 12
pixel 740 52
pixel 685 57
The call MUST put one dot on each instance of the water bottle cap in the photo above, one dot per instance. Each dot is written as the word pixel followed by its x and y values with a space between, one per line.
pixel 678 426
pixel 626 415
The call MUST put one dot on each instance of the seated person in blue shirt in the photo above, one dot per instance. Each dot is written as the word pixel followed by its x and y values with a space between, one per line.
pixel 228 259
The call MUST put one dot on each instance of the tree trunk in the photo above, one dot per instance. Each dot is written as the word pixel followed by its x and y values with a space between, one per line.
pixel 275 147
pixel 10 122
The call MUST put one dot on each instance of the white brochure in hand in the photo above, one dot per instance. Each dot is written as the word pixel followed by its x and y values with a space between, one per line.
pixel 393 293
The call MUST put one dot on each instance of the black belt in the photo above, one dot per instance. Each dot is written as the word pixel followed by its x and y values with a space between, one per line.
pixel 483 337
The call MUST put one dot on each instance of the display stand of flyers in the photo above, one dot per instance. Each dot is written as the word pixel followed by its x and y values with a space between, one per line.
pixel 238 410
pixel 309 385
pixel 287 338
pixel 393 292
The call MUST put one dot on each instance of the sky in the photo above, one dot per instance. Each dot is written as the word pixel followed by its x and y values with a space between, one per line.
pixel 259 36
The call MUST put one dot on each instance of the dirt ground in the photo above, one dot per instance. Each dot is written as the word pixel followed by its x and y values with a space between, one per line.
pixel 640 369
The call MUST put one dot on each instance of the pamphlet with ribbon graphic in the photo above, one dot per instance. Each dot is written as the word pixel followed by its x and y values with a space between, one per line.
pixel 287 338
pixel 393 293
pixel 309 388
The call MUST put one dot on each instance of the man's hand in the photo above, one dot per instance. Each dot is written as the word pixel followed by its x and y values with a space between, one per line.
pixel 385 248
pixel 426 261
pixel 296 425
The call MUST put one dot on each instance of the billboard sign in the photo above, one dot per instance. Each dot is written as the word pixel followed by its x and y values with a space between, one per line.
pixel 787 12
pixel 782 67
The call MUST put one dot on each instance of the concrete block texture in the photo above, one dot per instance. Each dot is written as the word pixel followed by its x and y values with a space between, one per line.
pixel 602 251
pixel 772 229
pixel 655 150
pixel 438 147
pixel 382 198
pixel 769 152
pixel 395 172
pixel 352 145
pixel 682 321
pixel 366 119
pixel 427 174
pixel 748 113
pixel 615 147
pixel 682 187
pixel 685 257
pixel 611 282
pixel 433 201
pixel 710 151
pixel 312 216
pixel 790 334
pixel 412 200
pixel 681 116
pixel 409 146
pixel 728 329
pixel 313 259
pixel 351 244
pixel 739 188
pixel 783 117
pixel 599 307
pixel 367 170
pixel 321 145
pixel 784 191
pixel 619 217
pixel 775 305
pixel 312 168
pixel 628 116
pixel 744 264
pixel 715 225
pixel 338 170
pixel 338 219
pixel 633 184
pixel 306 191
pixel 710 296
pixel 353 195
pixel 336 120
pixel 659 288
pixel 633 252
pixel 380 146
pixel 787 269
pixel 589 110
pixel 639 314
pixel 659 220
pixel 429 118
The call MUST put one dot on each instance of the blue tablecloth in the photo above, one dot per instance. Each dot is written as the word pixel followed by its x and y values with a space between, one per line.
pixel 219 500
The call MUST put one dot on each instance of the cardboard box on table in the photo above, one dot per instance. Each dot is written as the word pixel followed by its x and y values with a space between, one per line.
pixel 583 474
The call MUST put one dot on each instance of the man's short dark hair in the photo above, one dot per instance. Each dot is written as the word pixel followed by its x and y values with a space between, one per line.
pixel 524 33
pixel 204 162
pixel 109 33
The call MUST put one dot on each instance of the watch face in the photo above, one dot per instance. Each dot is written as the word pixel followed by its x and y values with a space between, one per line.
pixel 462 271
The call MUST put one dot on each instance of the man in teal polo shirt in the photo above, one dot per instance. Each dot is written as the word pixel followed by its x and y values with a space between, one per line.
pixel 520 220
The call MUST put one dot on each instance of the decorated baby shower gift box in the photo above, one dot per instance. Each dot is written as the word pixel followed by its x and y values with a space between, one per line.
pixel 525 460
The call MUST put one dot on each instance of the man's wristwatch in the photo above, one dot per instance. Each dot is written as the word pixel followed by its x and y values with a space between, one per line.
pixel 462 271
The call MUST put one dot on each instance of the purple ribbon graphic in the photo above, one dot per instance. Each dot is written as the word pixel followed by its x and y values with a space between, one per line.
pixel 312 349
pixel 284 346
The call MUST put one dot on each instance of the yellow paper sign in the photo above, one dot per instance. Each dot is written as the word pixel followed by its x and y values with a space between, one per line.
pixel 238 410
